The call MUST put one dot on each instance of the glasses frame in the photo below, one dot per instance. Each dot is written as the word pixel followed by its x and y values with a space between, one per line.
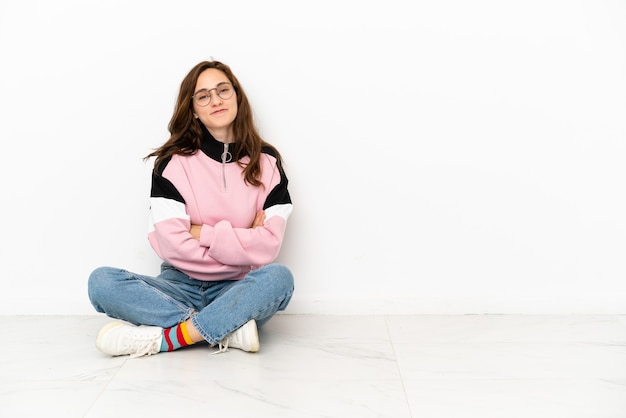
pixel 208 91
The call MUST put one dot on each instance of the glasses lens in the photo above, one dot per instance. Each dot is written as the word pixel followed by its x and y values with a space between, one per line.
pixel 202 98
pixel 225 91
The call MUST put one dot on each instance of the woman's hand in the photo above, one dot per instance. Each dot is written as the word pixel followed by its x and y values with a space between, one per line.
pixel 195 231
pixel 259 219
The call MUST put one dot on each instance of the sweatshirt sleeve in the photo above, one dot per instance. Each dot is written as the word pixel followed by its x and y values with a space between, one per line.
pixel 254 246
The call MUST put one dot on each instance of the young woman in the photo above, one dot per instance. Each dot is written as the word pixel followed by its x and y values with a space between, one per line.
pixel 219 206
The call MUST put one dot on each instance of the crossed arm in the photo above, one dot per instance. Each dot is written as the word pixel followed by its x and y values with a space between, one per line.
pixel 259 219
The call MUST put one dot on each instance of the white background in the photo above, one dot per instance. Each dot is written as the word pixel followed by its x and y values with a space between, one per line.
pixel 443 156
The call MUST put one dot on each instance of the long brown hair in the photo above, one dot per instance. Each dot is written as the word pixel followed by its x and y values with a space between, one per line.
pixel 186 134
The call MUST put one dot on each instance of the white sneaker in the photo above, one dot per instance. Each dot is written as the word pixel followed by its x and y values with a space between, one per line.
pixel 119 339
pixel 245 338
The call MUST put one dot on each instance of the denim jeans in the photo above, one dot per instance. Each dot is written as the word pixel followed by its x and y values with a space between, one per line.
pixel 216 308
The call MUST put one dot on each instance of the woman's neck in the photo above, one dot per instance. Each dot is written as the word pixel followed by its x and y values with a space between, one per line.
pixel 223 135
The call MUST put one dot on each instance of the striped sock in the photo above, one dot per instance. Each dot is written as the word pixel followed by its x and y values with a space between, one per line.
pixel 175 337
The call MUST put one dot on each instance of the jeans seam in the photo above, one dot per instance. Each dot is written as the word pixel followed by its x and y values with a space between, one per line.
pixel 185 311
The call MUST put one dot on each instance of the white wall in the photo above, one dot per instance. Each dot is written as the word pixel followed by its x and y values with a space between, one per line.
pixel 443 156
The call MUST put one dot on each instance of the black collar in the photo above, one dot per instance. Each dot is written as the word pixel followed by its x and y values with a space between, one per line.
pixel 211 146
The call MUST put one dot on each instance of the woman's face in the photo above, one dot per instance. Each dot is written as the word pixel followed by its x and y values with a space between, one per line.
pixel 219 114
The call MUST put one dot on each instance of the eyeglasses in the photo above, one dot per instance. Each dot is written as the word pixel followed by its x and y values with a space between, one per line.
pixel 203 97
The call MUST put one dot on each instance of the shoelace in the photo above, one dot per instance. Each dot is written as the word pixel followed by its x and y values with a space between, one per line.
pixel 233 337
pixel 223 346
pixel 144 347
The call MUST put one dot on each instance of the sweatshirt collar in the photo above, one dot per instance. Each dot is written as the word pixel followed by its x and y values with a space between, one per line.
pixel 211 146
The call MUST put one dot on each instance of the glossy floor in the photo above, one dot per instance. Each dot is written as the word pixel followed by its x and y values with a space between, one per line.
pixel 435 366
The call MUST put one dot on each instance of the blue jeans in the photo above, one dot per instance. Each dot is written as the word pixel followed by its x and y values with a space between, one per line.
pixel 216 308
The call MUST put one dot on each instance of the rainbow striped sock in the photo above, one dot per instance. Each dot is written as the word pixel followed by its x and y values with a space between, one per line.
pixel 175 337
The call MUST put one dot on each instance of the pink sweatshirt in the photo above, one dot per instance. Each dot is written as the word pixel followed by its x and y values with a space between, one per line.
pixel 208 189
